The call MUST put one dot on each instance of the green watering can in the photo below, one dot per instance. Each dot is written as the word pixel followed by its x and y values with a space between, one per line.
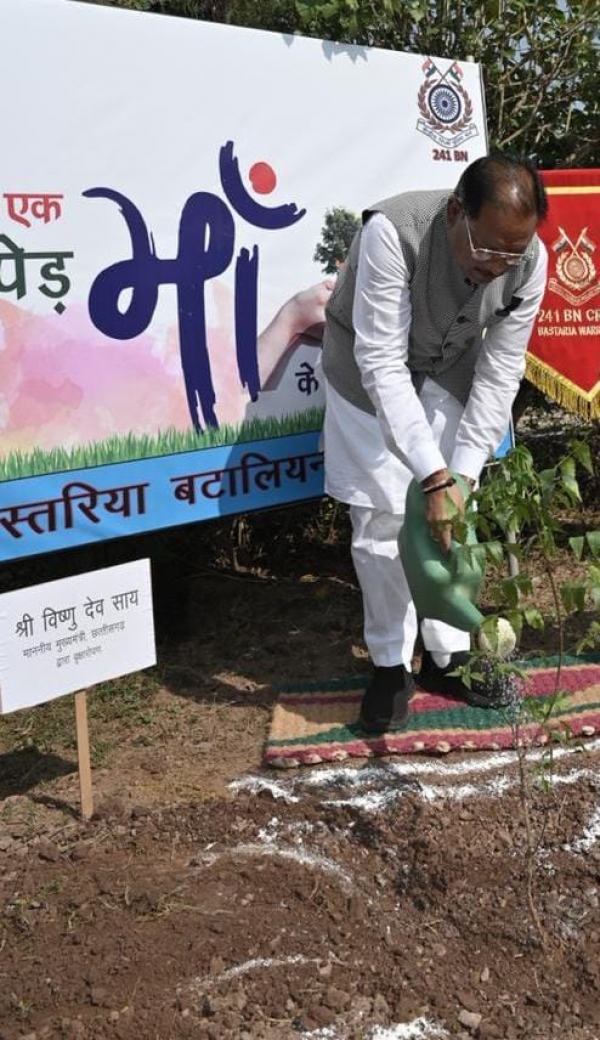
pixel 444 586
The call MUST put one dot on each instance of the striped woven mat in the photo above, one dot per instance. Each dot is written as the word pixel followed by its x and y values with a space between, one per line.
pixel 317 722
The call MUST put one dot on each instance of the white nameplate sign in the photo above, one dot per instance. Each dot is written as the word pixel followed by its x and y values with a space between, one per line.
pixel 67 635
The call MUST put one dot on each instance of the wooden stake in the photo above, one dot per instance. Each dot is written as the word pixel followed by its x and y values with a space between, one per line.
pixel 83 754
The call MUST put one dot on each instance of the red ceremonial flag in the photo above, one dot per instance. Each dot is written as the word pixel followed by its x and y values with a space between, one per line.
pixel 563 358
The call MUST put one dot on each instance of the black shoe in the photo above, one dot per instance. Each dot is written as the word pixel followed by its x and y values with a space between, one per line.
pixel 384 707
pixel 487 693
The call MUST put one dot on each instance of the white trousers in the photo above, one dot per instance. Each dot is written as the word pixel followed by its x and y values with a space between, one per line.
pixel 390 618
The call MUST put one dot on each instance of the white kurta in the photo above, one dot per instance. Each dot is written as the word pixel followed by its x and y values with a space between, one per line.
pixel 370 460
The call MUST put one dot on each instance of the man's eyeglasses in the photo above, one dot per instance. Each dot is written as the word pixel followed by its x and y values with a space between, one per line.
pixel 510 259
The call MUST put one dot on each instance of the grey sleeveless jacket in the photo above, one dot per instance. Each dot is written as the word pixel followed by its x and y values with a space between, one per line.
pixel 449 316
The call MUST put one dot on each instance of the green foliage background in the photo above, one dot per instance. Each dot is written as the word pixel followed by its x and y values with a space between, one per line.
pixel 540 61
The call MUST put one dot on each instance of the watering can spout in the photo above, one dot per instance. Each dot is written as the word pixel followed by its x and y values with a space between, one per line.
pixel 444 586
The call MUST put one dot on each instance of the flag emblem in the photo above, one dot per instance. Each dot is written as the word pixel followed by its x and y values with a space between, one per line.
pixel 575 277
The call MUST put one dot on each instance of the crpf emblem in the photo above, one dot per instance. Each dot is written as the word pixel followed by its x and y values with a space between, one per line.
pixel 575 277
pixel 445 106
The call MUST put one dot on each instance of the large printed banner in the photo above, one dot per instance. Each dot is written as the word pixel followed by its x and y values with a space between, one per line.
pixel 564 351
pixel 175 198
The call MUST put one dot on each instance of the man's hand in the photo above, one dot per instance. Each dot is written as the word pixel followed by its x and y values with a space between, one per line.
pixel 442 508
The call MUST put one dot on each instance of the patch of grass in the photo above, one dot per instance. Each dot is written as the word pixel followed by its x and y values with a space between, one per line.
pixel 127 698
pixel 47 727
pixel 115 449
pixel 51 727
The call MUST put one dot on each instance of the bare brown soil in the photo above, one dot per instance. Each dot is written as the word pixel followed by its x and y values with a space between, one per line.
pixel 211 898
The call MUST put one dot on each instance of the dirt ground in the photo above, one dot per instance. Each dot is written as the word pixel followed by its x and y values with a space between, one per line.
pixel 210 898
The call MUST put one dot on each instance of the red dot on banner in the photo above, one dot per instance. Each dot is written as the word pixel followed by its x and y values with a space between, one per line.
pixel 262 178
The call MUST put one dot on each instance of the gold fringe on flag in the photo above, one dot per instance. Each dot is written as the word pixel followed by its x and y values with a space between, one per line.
pixel 569 396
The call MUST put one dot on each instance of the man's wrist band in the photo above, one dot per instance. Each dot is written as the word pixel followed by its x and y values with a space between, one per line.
pixel 450 482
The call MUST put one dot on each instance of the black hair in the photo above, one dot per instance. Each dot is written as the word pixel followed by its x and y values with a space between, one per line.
pixel 487 179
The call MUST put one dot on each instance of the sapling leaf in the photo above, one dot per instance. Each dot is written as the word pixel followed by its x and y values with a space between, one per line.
pixel 577 545
pixel 516 620
pixel 593 541
pixel 511 592
pixel 546 479
pixel 582 453
pixel 483 527
pixel 572 595
pixel 495 552
pixel 590 640
pixel 533 617
pixel 524 583
pixel 478 555
pixel 566 597
pixel 571 487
